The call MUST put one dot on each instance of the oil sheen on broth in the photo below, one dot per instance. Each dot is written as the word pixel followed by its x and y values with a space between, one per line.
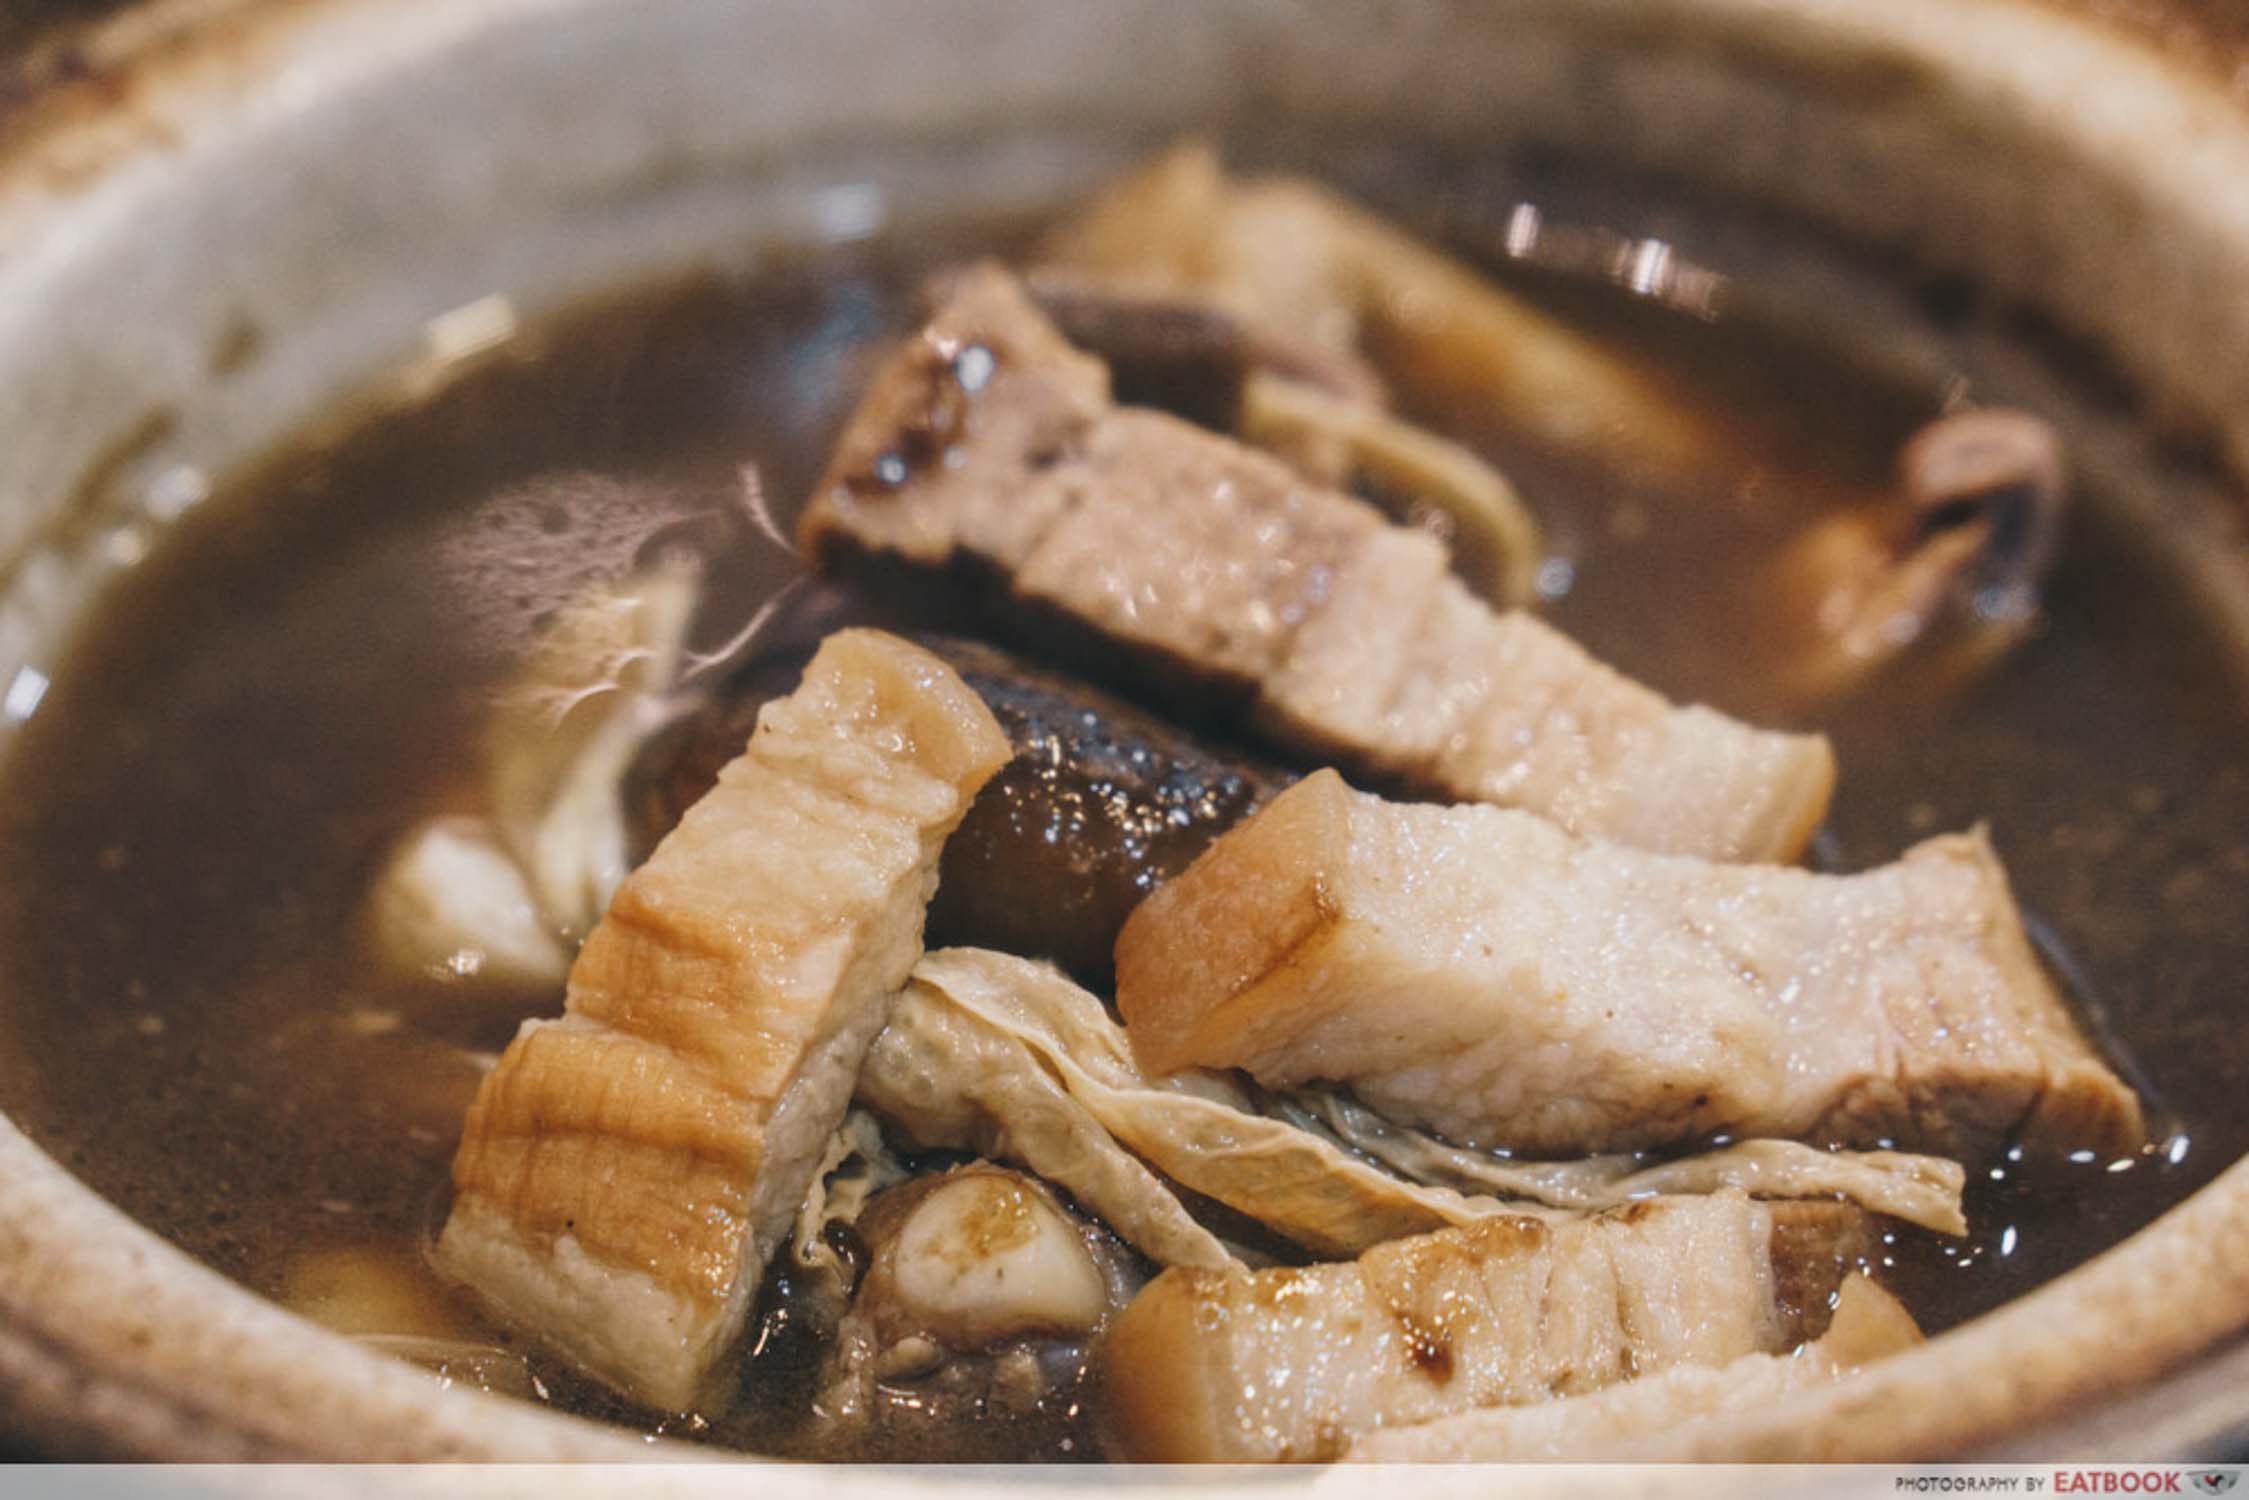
pixel 191 817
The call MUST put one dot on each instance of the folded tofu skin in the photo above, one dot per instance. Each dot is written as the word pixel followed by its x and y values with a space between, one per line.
pixel 627 1170
pixel 988 447
pixel 1483 973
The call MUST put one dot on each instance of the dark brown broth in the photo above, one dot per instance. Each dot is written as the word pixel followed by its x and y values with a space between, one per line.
pixel 291 683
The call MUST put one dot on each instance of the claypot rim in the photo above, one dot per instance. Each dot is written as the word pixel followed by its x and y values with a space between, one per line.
pixel 112 1342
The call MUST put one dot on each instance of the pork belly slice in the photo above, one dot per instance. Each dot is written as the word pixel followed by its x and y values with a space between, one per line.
pixel 1409 675
pixel 1293 1364
pixel 626 1171
pixel 988 446
pixel 1482 973
pixel 1655 1418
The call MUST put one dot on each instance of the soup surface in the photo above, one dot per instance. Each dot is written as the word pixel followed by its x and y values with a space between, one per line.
pixel 297 676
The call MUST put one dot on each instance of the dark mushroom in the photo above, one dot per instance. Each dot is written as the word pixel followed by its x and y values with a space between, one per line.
pixel 1176 346
pixel 982 1298
pixel 1959 552
pixel 1996 475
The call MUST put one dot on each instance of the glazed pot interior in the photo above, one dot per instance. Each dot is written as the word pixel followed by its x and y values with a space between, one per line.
pixel 304 204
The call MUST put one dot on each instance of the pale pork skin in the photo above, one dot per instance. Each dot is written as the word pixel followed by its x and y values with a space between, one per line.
pixel 627 1171
pixel 1480 972
pixel 1293 1364
pixel 988 445
pixel 1670 1417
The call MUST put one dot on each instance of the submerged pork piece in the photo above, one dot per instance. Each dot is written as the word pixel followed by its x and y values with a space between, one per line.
pixel 627 1170
pixel 1677 1414
pixel 990 447
pixel 1289 252
pixel 1483 973
pixel 1293 1364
